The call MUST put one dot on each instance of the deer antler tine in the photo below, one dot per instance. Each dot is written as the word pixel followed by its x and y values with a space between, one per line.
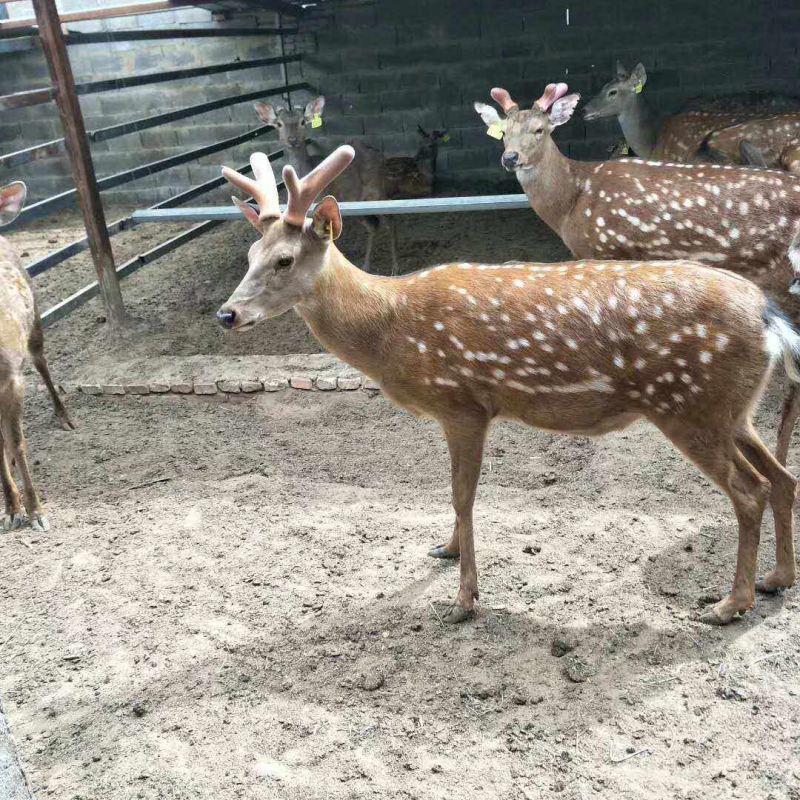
pixel 265 178
pixel 552 92
pixel 503 99
pixel 247 185
pixel 302 193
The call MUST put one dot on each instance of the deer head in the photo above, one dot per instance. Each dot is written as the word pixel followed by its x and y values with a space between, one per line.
pixel 617 96
pixel 12 199
pixel 525 133
pixel 283 265
pixel 292 124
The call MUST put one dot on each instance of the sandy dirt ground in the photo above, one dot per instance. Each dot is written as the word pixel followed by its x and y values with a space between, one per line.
pixel 263 621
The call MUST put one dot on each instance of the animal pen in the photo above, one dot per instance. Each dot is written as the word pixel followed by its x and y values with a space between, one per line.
pixel 254 555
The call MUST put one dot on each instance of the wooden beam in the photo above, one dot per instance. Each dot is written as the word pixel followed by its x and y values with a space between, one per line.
pixel 425 205
pixel 81 159
pixel 103 13
pixel 39 96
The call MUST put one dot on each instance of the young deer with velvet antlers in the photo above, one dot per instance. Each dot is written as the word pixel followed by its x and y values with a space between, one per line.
pixel 368 181
pixel 20 334
pixel 735 218
pixel 582 347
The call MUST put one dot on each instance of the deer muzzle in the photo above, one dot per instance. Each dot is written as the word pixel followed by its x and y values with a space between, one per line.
pixel 510 160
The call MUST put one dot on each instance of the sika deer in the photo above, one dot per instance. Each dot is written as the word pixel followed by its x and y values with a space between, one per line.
pixel 20 333
pixel 367 182
pixel 776 140
pixel 415 177
pixel 740 219
pixel 582 347
pixel 674 137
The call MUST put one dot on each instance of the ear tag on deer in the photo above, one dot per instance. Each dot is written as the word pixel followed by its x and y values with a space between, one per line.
pixel 625 149
pixel 638 88
pixel 446 138
pixel 495 130
pixel 316 121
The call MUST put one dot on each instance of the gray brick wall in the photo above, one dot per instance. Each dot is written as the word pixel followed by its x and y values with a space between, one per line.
pixel 386 66
pixel 23 127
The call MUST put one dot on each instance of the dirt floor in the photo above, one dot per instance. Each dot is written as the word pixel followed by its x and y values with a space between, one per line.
pixel 263 622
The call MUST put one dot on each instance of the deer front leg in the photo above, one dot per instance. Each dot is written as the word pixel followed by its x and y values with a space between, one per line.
pixel 789 413
pixel 465 440
pixel 14 517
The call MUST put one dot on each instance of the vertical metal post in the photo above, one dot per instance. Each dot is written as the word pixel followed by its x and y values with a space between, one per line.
pixel 69 108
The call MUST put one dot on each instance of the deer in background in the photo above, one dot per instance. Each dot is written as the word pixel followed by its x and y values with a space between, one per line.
pixel 740 219
pixel 415 177
pixel 674 137
pixel 20 334
pixel 768 142
pixel 367 182
pixel 581 347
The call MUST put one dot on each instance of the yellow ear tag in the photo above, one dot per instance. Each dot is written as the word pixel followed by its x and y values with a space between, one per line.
pixel 495 130
pixel 316 121
pixel 625 149
pixel 446 137
pixel 638 88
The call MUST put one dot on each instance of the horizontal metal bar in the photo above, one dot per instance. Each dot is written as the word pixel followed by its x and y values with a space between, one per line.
pixel 39 96
pixel 31 34
pixel 427 205
pixel 60 310
pixel 33 153
pixel 18 44
pixel 43 207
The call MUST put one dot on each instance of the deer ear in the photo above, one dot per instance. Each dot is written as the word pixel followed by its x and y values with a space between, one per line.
pixel 314 107
pixel 251 215
pixel 639 75
pixel 488 114
pixel 266 112
pixel 327 218
pixel 12 198
pixel 562 109
pixel 621 71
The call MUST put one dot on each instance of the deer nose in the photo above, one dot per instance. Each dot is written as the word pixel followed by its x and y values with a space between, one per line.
pixel 292 140
pixel 226 318
pixel 510 159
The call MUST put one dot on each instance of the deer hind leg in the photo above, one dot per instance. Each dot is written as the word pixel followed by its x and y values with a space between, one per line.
pixel 11 403
pixel 465 439
pixel 371 223
pixel 36 348
pixel 14 516
pixel 782 497
pixel 716 454
pixel 789 414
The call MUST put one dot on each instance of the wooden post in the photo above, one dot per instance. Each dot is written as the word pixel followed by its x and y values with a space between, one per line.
pixel 80 157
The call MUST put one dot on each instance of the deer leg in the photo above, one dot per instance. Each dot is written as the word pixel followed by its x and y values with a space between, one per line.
pixel 36 348
pixel 716 454
pixel 371 224
pixel 390 221
pixel 751 155
pixel 789 414
pixel 465 439
pixel 14 516
pixel 11 401
pixel 782 497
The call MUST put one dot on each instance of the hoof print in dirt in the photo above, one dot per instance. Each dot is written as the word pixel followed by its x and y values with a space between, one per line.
pixel 562 645
pixel 576 670
pixel 532 549
pixel 731 693
pixel 138 708
pixel 372 681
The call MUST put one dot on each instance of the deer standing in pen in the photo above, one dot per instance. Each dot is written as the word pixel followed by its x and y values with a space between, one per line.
pixel 415 176
pixel 581 347
pixel 20 335
pixel 740 219
pixel 680 137
pixel 367 182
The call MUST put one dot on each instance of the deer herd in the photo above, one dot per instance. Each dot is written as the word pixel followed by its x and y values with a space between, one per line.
pixel 675 308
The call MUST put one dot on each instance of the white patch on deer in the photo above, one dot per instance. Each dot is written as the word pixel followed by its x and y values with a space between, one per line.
pixel 439 326
pixel 421 347
pixel 518 283
pixel 456 342
pixel 705 356
pixel 722 341
pixel 641 327
pixel 495 302
pixel 444 382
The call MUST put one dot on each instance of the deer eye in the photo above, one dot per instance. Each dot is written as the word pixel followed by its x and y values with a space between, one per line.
pixel 302 122
pixel 612 93
pixel 278 124
pixel 285 263
pixel 539 131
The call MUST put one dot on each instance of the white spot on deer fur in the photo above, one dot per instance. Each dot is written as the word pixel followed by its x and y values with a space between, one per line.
pixel 456 342
pixel 421 347
pixel 641 327
pixel 705 356
pixel 548 291
pixel 722 341
pixel 518 283
pixel 572 344
pixel 675 337
pixel 439 326
pixel 743 208
pixel 440 353
pixel 588 212
pixel 612 301
pixel 650 389
pixel 469 355
pixel 619 361
pixel 686 377
pixel 499 373
pixel 640 363
pixel 444 382
pixel 669 298
pixel 495 302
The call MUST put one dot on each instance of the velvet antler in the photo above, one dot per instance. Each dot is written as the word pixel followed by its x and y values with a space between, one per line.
pixel 503 99
pixel 552 92
pixel 263 188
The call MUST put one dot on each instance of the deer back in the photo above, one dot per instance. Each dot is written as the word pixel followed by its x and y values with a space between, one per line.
pixel 771 135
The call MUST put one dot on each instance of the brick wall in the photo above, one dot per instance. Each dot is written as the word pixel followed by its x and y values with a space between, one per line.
pixel 388 65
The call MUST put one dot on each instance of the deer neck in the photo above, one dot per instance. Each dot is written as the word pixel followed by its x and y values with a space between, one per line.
pixel 298 156
pixel 639 125
pixel 351 312
pixel 553 185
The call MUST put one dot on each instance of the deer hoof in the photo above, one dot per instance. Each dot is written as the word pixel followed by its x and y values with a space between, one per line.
pixel 441 551
pixel 39 523
pixel 65 421
pixel 457 613
pixel 12 522
pixel 722 613
pixel 771 584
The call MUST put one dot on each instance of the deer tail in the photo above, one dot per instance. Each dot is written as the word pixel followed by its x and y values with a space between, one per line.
pixel 783 340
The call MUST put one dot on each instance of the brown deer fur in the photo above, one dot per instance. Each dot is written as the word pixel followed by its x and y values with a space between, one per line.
pixel 776 137
pixel 582 347
pixel 20 334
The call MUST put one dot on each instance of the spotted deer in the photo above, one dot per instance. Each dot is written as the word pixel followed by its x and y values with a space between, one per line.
pixel 415 176
pixel 367 182
pixel 582 347
pixel 20 335
pixel 674 137
pixel 735 218
pixel 768 142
